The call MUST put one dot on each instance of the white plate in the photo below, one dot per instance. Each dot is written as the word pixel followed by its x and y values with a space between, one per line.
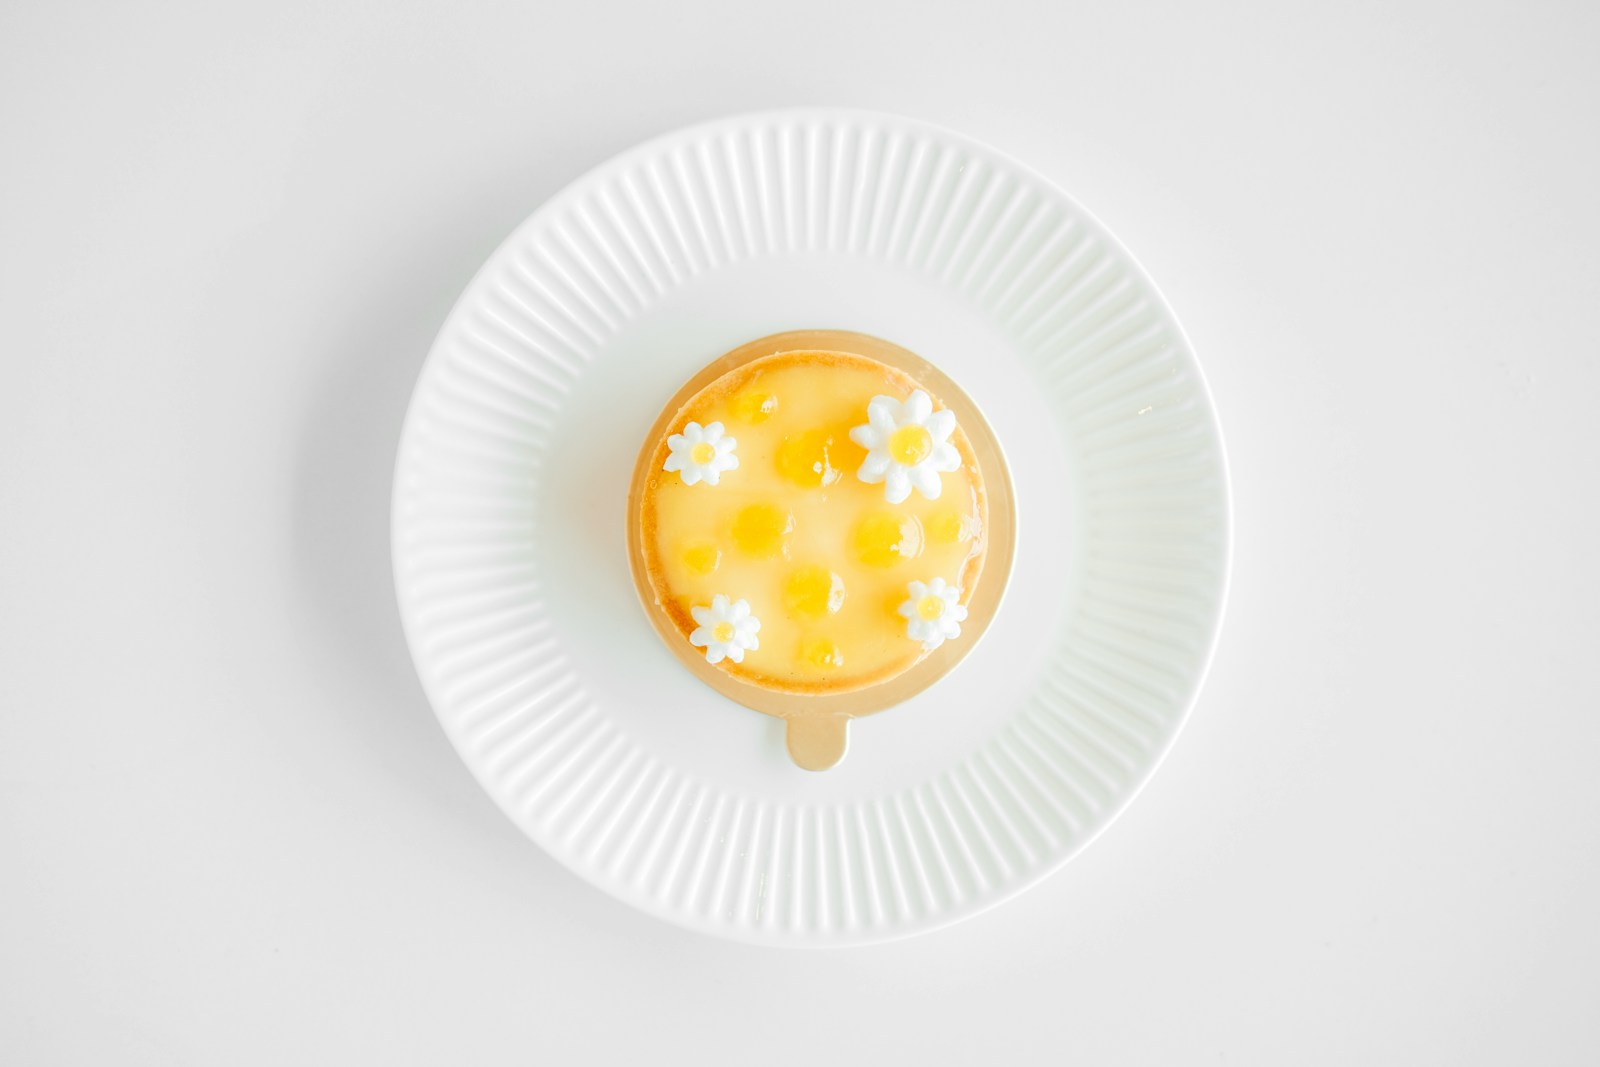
pixel 509 536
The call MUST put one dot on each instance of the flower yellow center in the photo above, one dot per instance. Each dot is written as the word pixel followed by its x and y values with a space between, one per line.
pixel 910 445
pixel 703 453
pixel 930 607
pixel 722 632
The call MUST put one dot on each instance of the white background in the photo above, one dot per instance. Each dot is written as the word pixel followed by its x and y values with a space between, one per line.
pixel 230 829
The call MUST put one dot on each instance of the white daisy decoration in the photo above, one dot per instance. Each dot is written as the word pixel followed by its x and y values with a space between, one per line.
pixel 701 453
pixel 932 614
pixel 725 630
pixel 908 446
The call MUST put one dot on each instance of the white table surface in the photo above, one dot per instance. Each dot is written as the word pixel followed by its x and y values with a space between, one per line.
pixel 231 829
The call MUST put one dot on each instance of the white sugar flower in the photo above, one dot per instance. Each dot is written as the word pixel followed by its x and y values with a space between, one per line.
pixel 725 629
pixel 932 614
pixel 701 453
pixel 908 445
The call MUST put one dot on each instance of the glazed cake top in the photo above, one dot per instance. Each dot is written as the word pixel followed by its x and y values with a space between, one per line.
pixel 814 521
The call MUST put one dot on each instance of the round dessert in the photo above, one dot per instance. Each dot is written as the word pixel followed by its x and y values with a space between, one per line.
pixel 813 522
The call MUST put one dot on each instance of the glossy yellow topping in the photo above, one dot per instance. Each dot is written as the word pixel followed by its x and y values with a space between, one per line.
pixel 812 592
pixel 821 557
pixel 887 537
pixel 823 655
pixel 702 559
pixel 759 530
pixel 817 457
pixel 754 405
pixel 947 526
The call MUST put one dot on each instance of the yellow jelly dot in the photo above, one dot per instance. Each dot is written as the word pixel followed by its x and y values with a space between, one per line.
pixel 702 559
pixel 947 527
pixel 884 538
pixel 910 445
pixel 754 406
pixel 759 530
pixel 703 453
pixel 813 591
pixel 822 653
pixel 930 607
pixel 722 632
pixel 807 459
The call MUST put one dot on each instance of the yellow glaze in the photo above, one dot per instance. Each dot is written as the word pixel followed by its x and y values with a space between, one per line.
pixel 821 557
